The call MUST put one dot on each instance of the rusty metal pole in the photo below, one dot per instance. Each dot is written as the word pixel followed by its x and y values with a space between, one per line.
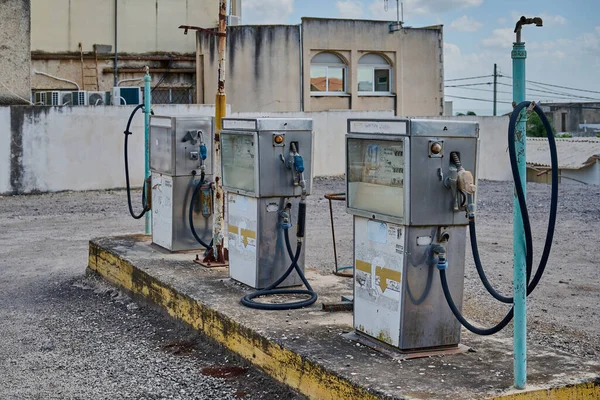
pixel 220 112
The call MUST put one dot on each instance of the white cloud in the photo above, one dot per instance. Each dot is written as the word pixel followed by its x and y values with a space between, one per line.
pixel 502 21
pixel 350 9
pixel 549 44
pixel 267 11
pixel 500 38
pixel 465 24
pixel 590 42
pixel 419 7
pixel 550 20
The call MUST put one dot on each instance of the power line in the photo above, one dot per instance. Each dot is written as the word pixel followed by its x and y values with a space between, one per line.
pixel 470 84
pixel 562 94
pixel 464 79
pixel 565 87
pixel 481 90
pixel 556 86
pixel 477 99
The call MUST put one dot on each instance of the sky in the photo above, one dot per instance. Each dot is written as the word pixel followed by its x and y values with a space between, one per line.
pixel 477 34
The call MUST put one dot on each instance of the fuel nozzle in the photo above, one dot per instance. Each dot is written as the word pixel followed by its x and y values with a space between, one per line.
pixel 463 186
pixel 298 168
pixel 203 151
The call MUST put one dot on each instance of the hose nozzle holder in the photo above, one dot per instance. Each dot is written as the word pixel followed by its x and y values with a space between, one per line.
pixel 285 219
pixel 442 263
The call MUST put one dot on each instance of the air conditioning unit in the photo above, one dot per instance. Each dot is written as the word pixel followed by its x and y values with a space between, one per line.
pixel 98 98
pixel 80 98
pixel 126 95
pixel 66 98
pixel 234 20
pixel 39 98
pixel 53 98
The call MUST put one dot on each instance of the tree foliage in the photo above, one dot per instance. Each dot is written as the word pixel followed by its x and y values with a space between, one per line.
pixel 535 127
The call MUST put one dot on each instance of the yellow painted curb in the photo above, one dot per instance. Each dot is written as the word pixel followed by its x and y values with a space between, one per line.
pixel 305 376
pixel 282 364
pixel 581 391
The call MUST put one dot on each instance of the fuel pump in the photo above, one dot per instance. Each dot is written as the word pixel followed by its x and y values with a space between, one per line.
pixel 412 192
pixel 182 168
pixel 267 173
pixel 397 179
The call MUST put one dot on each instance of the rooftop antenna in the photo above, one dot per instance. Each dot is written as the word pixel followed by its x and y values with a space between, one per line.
pixel 396 26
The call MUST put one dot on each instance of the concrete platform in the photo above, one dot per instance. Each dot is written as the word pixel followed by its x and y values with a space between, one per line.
pixel 309 349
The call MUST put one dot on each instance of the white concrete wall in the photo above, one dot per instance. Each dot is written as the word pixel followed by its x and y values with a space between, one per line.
pixel 329 155
pixel 589 175
pixel 81 148
pixel 74 148
pixel 493 146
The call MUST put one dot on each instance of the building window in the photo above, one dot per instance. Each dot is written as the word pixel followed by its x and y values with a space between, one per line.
pixel 327 74
pixel 374 75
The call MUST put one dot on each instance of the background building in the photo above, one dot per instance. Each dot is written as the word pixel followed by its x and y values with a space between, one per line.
pixel 77 41
pixel 578 119
pixel 15 56
pixel 327 64
pixel 578 160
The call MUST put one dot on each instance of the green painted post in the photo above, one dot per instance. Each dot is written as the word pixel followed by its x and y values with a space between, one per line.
pixel 519 56
pixel 147 110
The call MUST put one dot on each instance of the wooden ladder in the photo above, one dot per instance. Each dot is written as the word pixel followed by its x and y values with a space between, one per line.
pixel 89 74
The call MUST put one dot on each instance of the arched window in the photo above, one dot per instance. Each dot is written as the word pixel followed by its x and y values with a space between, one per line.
pixel 374 74
pixel 327 74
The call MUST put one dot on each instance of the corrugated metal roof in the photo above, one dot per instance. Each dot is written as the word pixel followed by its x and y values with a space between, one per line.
pixel 574 153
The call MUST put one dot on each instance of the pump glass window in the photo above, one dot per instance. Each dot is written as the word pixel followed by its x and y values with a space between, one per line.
pixel 239 162
pixel 374 75
pixel 327 74
pixel 376 176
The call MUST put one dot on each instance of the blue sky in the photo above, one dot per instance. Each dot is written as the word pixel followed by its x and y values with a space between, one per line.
pixel 477 34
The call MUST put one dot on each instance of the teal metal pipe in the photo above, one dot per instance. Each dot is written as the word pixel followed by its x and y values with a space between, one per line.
pixel 147 110
pixel 519 55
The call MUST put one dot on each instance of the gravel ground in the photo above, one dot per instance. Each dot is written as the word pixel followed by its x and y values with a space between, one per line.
pixel 66 336
pixel 563 311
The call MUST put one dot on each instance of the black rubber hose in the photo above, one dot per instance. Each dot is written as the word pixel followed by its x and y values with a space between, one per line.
pixel 480 331
pixel 425 293
pixel 248 300
pixel 526 224
pixel 191 213
pixel 301 219
pixel 127 133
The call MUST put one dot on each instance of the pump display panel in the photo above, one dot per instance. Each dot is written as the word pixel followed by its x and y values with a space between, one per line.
pixel 376 176
pixel 239 161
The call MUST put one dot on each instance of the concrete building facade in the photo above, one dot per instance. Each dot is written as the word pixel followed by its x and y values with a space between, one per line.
pixel 15 55
pixel 578 119
pixel 77 40
pixel 327 64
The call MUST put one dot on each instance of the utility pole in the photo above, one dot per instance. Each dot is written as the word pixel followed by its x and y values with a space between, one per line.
pixel 220 113
pixel 495 86
pixel 519 55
